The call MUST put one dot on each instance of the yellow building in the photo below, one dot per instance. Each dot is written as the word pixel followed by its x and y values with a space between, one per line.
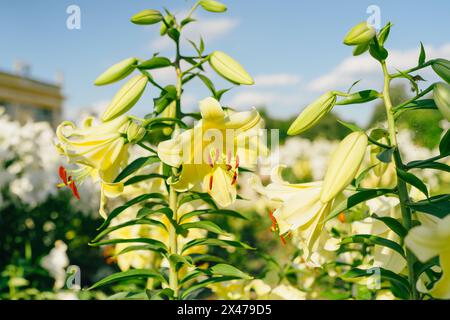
pixel 26 99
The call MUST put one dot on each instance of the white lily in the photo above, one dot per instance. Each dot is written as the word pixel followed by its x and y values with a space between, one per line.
pixel 429 240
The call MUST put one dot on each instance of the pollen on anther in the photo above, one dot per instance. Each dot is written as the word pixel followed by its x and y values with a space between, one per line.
pixel 211 179
pixel 233 181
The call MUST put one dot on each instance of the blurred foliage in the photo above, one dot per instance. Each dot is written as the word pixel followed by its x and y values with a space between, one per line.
pixel 421 122
pixel 27 235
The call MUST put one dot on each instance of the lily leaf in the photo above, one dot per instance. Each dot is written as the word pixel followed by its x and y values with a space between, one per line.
pixel 127 275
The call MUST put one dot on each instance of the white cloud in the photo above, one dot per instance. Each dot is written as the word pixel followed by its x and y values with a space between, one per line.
pixel 276 80
pixel 209 29
pixel 366 68
pixel 271 99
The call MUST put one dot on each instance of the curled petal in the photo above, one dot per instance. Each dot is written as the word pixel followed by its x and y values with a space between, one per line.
pixel 211 110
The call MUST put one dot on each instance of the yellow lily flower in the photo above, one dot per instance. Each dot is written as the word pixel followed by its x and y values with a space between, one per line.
pixel 101 147
pixel 429 240
pixel 210 154
pixel 299 208
pixel 100 152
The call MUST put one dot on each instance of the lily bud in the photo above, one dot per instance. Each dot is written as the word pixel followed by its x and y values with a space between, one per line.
pixel 441 94
pixel 313 113
pixel 379 167
pixel 146 17
pixel 344 164
pixel 442 68
pixel 117 72
pixel 229 68
pixel 360 34
pixel 135 132
pixel 126 97
pixel 169 112
pixel 169 19
pixel 213 6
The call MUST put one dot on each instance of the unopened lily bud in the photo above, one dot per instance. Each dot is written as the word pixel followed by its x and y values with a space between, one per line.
pixel 360 34
pixel 135 132
pixel 146 17
pixel 379 167
pixel 313 113
pixel 229 68
pixel 344 164
pixel 213 6
pixel 442 68
pixel 117 72
pixel 126 97
pixel 169 20
pixel 441 94
pixel 169 112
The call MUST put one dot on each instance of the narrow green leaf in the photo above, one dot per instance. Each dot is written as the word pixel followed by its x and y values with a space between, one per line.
pixel 371 239
pixel 444 145
pixel 353 127
pixel 223 269
pixel 144 177
pixel 136 165
pixel 142 247
pixel 192 275
pixel 383 273
pixel 392 224
pixel 385 155
pixel 159 246
pixel 198 258
pixel 144 212
pixel 438 206
pixel 208 83
pixel 424 104
pixel 413 180
pixel 353 85
pixel 128 204
pixel 377 51
pixel 359 97
pixel 127 275
pixel 204 224
pixel 216 242
pixel 422 55
pixel 384 33
pixel 357 198
pixel 127 224
pixel 229 213
pixel 162 294
pixel 431 165
pixel 198 196
pixel 205 283
pixel 176 258
pixel 155 63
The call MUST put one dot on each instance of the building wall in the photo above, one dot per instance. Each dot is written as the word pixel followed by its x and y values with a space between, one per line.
pixel 26 99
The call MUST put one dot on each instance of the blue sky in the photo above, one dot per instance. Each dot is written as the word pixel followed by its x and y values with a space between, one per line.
pixel 292 48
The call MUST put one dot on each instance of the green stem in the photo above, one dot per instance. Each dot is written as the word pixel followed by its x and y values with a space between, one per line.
pixel 173 196
pixel 173 242
pixel 401 185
